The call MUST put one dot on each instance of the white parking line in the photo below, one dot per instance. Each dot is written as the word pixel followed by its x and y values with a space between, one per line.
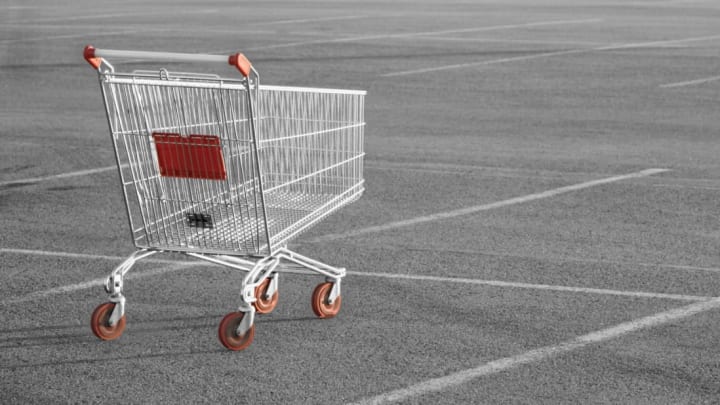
pixel 92 283
pixel 515 41
pixel 560 259
pixel 690 82
pixel 86 35
pixel 547 287
pixel 484 207
pixel 610 47
pixel 656 43
pixel 543 353
pixel 426 33
pixel 57 176
pixel 105 16
pixel 484 63
pixel 177 265
pixel 308 20
pixel 384 166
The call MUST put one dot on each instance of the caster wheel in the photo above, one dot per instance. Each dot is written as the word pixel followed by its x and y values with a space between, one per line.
pixel 99 322
pixel 320 304
pixel 228 332
pixel 263 305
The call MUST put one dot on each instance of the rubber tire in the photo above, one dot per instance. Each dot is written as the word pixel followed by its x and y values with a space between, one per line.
pixel 262 305
pixel 227 332
pixel 319 301
pixel 99 322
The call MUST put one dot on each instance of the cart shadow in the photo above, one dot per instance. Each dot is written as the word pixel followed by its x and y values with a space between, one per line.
pixel 109 359
pixel 77 334
pixel 58 335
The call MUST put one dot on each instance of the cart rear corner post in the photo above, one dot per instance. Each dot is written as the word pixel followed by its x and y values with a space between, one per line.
pixel 228 171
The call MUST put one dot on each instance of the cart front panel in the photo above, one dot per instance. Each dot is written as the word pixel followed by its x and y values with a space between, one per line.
pixel 228 166
pixel 311 154
pixel 184 145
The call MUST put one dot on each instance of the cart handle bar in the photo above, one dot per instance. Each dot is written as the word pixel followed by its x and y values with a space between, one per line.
pixel 94 57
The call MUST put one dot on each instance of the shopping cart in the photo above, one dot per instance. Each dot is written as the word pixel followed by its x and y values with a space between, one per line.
pixel 228 171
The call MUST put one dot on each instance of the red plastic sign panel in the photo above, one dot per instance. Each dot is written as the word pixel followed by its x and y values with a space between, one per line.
pixel 193 156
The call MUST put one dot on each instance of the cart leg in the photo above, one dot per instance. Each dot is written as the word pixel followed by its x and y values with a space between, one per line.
pixel 114 287
pixel 266 294
pixel 334 290
pixel 108 319
pixel 247 321
pixel 260 285
pixel 272 287
pixel 259 295
pixel 114 283
pixel 332 274
pixel 326 298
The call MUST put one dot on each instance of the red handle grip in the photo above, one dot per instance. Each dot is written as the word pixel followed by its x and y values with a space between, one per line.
pixel 89 54
pixel 241 63
pixel 95 57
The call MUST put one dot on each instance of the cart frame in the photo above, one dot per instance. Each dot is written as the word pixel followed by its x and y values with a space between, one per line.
pixel 261 257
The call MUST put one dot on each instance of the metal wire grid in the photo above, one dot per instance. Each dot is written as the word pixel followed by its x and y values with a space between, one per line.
pixel 310 145
pixel 140 106
pixel 310 153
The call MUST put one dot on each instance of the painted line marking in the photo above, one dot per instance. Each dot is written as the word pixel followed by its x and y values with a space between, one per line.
pixel 92 283
pixel 484 63
pixel 690 82
pixel 199 29
pixel 108 168
pixel 550 54
pixel 307 20
pixel 495 28
pixel 116 15
pixel 33 180
pixel 385 166
pixel 135 31
pixel 547 287
pixel 668 185
pixel 70 36
pixel 543 353
pixel 516 41
pixel 176 265
pixel 71 255
pixel 425 33
pixel 465 168
pixel 560 259
pixel 541 42
pixel 484 207
pixel 655 43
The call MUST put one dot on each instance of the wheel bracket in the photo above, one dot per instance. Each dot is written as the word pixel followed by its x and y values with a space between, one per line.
pixel 247 321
